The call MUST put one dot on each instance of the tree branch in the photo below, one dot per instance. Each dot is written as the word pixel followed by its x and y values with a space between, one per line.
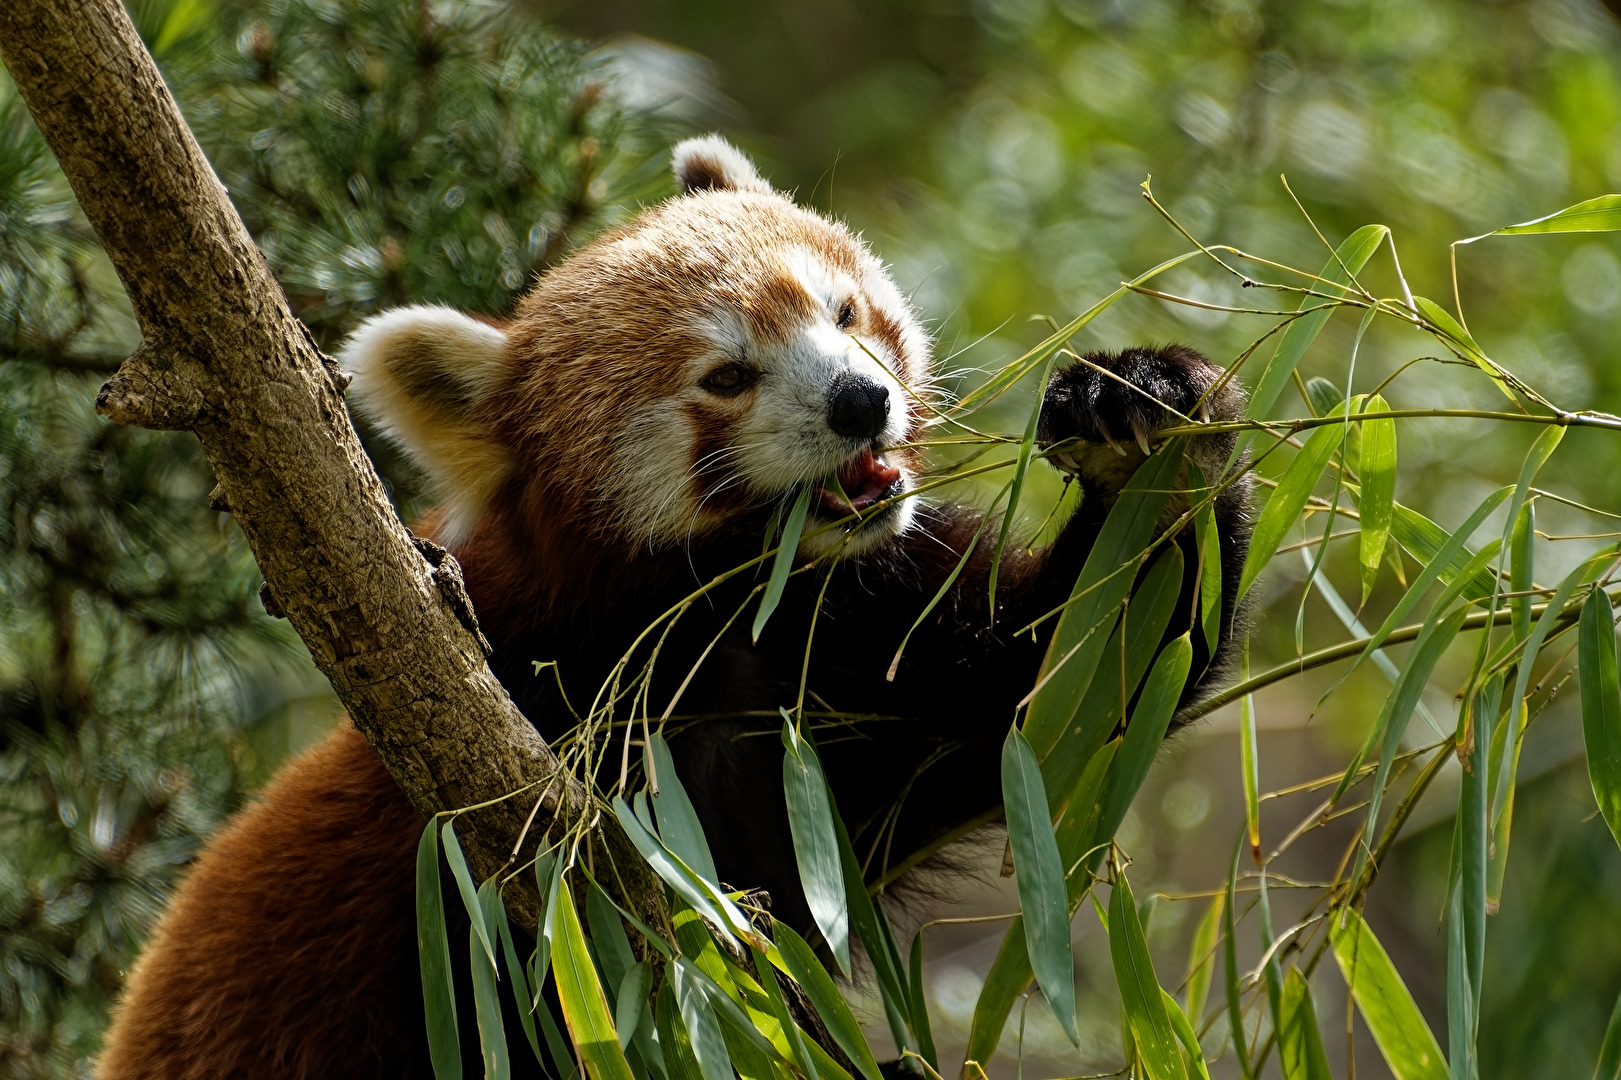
pixel 224 357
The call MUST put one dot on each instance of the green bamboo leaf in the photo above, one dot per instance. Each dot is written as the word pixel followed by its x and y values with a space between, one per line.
pixel 816 845
pixel 1467 911
pixel 549 867
pixel 1104 583
pixel 518 980
pixel 608 936
pixel 1300 1045
pixel 1522 567
pixel 1377 469
pixel 896 999
pixel 433 953
pixel 1229 965
pixel 696 941
pixel 548 880
pixel 1040 876
pixel 1269 969
pixel 649 935
pixel 464 885
pixel 585 1007
pixel 1462 342
pixel 1578 577
pixel 1459 579
pixel 1602 214
pixel 1353 254
pixel 801 964
pixel 704 1036
pixel 1609 1054
pixel 783 564
pixel 1020 469
pixel 1283 506
pixel 1425 540
pixel 1140 993
pixel 712 974
pixel 1541 450
pixel 679 827
pixel 1210 578
pixel 871 927
pixel 673 1038
pixel 1601 705
pixel 1460 1007
pixel 1384 1001
pixel 1323 397
pixel 826 1067
pixel 704 897
pixel 1433 639
pixel 1503 812
pixel 1150 720
pixel 630 1001
pixel 779 1008
pixel 1004 984
pixel 1249 762
pixel 492 1037
pixel 1516 524
pixel 1348 619
pixel 561 1052
pixel 1010 972
pixel 1192 1054
pixel 618 964
pixel 1078 826
pixel 920 1006
pixel 1202 957
pixel 1152 606
pixel 751 1042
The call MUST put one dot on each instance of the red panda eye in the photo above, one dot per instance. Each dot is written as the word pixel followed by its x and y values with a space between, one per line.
pixel 847 316
pixel 730 379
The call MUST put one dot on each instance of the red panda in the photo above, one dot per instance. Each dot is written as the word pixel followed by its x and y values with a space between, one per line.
pixel 625 438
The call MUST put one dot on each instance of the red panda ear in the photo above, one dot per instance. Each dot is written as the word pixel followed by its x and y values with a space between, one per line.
pixel 425 374
pixel 710 163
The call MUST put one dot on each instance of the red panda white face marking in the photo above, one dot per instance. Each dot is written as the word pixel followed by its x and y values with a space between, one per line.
pixel 764 409
pixel 824 403
pixel 679 376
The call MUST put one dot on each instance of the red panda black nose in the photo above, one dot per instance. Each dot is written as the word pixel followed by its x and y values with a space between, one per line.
pixel 857 407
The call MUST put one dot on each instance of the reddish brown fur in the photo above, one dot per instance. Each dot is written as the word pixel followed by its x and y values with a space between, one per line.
pixel 324 858
pixel 306 883
pixel 712 426
pixel 684 260
pixel 628 309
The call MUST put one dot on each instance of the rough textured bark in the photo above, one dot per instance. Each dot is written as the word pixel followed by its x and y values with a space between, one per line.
pixel 385 617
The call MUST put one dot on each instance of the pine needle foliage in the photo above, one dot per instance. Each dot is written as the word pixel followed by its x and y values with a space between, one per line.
pixel 389 152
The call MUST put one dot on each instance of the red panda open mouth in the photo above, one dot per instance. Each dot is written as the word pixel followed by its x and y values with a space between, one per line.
pixel 865 479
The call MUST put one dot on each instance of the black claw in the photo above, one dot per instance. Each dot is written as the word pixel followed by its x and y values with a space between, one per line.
pixel 1123 398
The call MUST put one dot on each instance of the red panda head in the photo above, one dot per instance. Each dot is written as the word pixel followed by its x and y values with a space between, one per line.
pixel 677 378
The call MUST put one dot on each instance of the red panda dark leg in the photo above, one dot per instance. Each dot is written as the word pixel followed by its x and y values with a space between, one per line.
pixel 290 949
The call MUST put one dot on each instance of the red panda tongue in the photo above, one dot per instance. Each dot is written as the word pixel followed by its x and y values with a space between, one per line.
pixel 864 479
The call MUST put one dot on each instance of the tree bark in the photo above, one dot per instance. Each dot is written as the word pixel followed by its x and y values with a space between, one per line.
pixel 385 616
